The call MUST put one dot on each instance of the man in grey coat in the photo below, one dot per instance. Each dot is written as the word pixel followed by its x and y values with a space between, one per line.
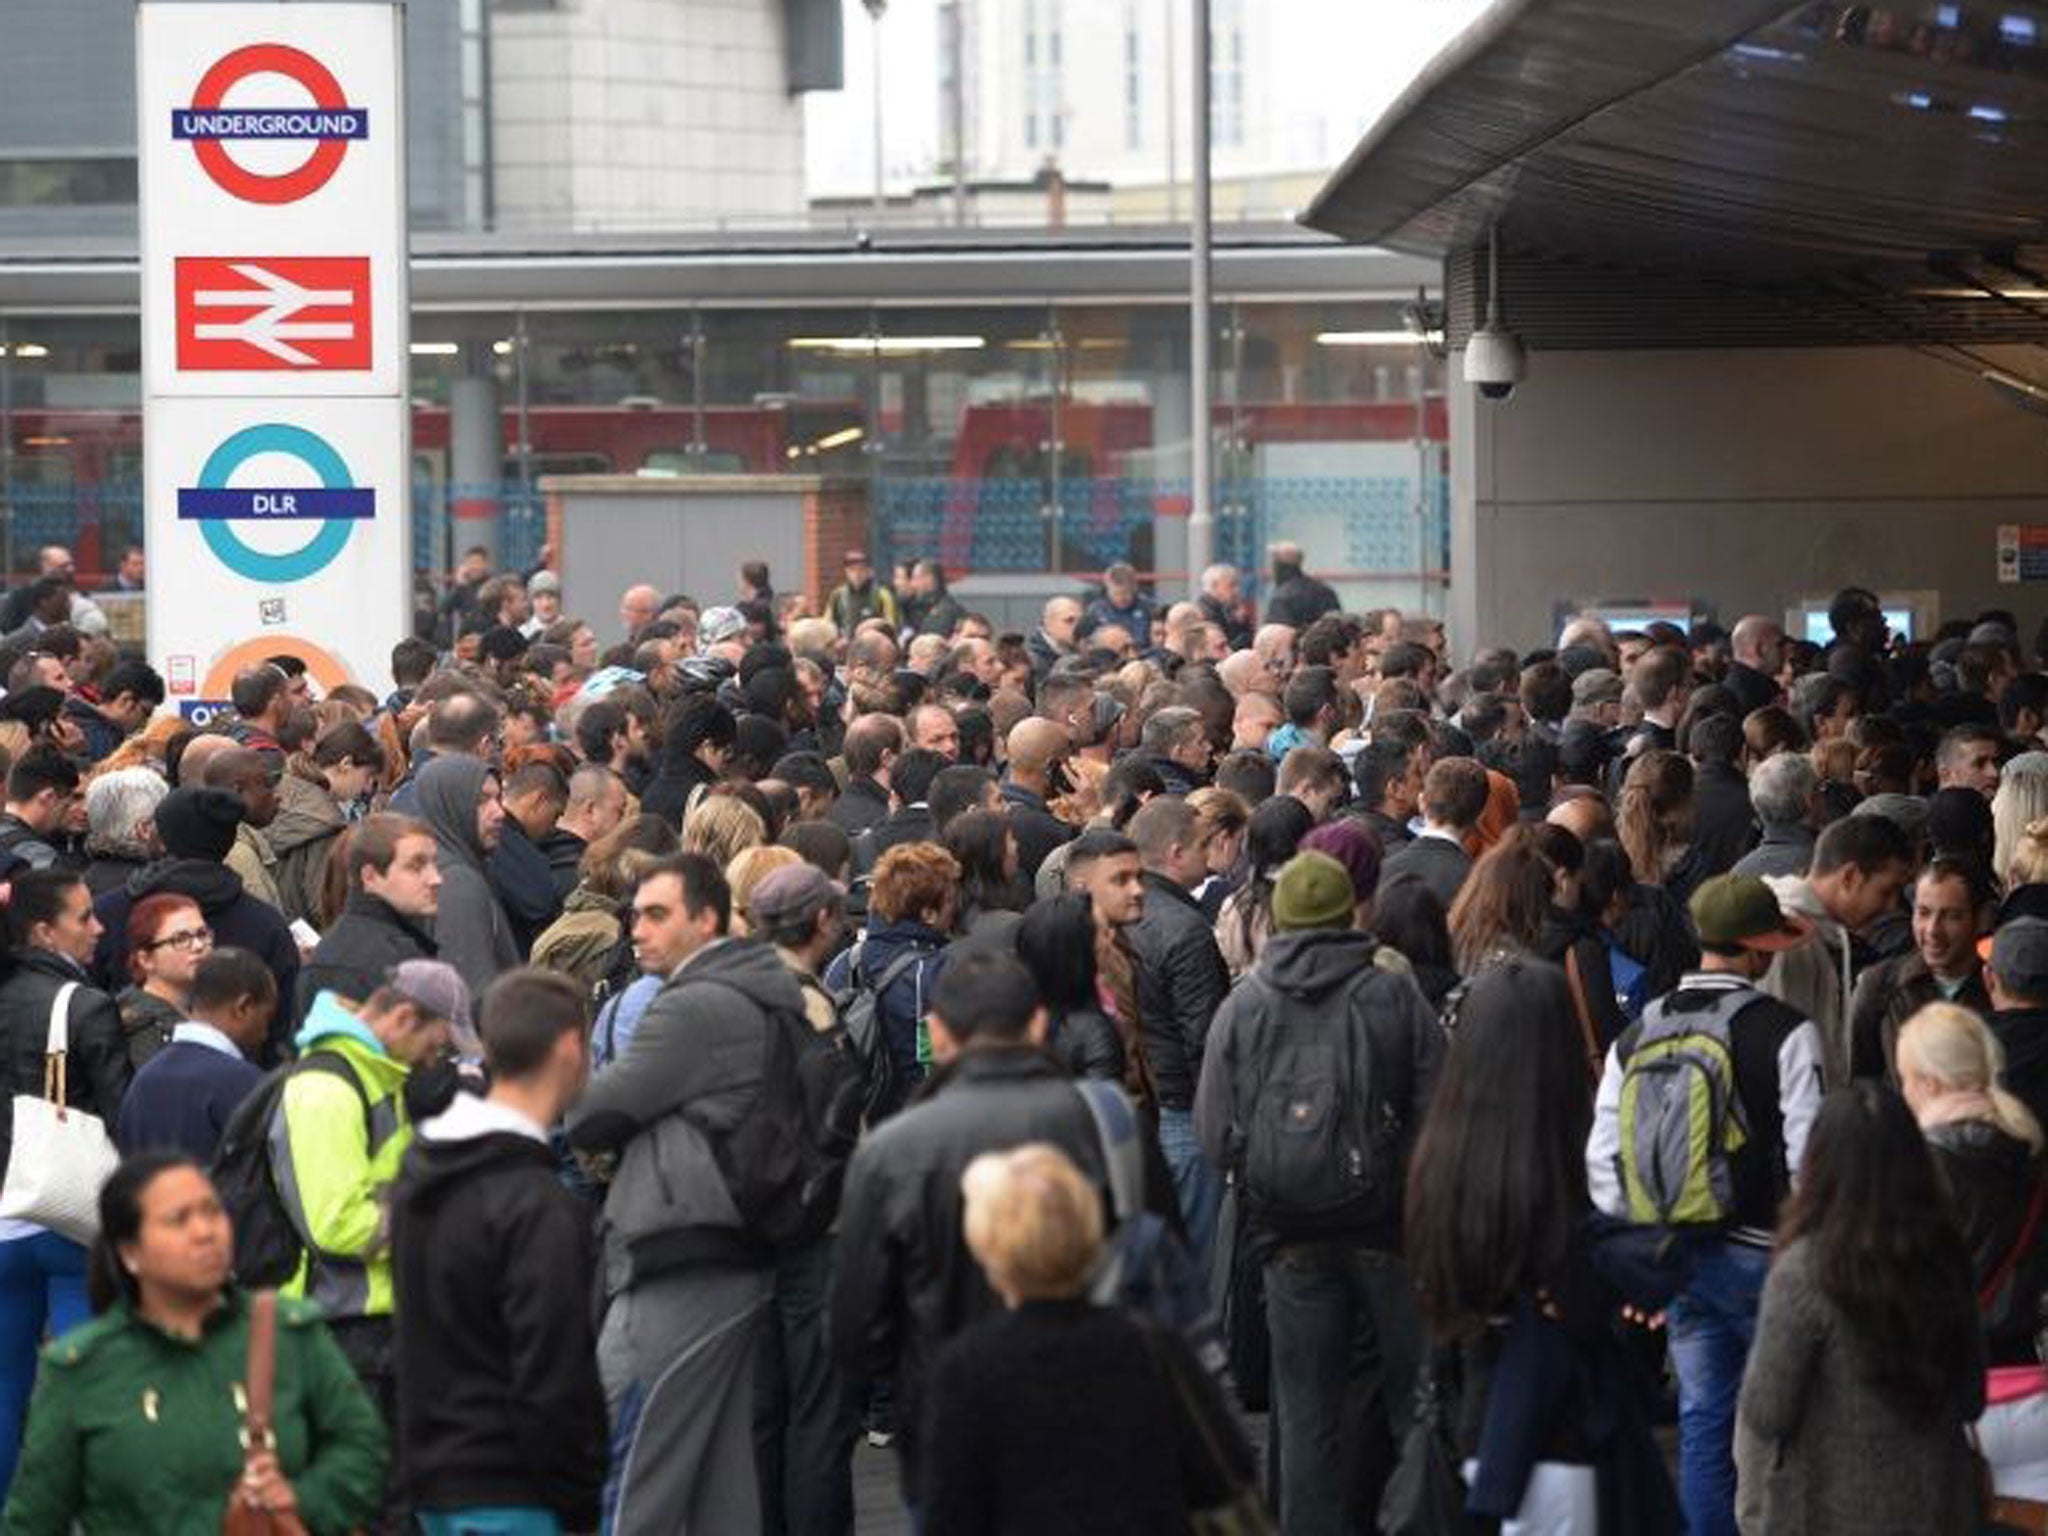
pixel 688 1284
pixel 461 800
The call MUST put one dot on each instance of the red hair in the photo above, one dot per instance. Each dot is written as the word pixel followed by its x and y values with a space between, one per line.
pixel 148 918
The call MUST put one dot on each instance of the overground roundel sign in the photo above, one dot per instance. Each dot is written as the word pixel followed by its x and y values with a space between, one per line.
pixel 337 503
pixel 328 124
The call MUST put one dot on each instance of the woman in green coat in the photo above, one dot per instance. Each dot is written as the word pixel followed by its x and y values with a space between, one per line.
pixel 136 1423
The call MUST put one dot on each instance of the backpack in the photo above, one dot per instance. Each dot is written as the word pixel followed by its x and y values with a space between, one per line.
pixel 860 1017
pixel 268 1244
pixel 1680 1117
pixel 1145 1268
pixel 1321 1149
pixel 784 1161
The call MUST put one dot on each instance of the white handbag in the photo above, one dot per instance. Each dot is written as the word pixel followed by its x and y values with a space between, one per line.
pixel 60 1156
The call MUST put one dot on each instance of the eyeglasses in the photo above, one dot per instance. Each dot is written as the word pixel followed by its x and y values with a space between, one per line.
pixel 190 939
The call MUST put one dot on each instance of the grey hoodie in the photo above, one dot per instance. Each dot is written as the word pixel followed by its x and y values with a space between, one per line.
pixel 471 931
pixel 692 1069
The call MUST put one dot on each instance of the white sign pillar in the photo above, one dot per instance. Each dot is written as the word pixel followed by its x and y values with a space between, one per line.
pixel 274 339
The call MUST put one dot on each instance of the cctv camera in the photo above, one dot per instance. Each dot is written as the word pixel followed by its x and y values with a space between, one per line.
pixel 1494 361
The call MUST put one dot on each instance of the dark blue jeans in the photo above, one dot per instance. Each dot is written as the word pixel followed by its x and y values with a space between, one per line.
pixel 805 1414
pixel 1343 1320
pixel 1197 1188
pixel 1712 1323
pixel 42 1294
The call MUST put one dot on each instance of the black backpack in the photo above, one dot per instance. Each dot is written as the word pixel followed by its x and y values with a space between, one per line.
pixel 860 1015
pixel 1321 1149
pixel 784 1161
pixel 268 1245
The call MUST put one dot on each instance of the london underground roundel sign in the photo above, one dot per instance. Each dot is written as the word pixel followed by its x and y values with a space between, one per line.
pixel 328 124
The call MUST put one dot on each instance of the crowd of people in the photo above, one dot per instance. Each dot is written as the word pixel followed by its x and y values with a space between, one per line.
pixel 1178 1064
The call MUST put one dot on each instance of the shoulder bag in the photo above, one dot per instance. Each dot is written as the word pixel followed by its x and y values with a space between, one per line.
pixel 60 1156
pixel 258 1437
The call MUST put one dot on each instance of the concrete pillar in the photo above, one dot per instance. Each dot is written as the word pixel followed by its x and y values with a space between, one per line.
pixel 1471 426
pixel 476 458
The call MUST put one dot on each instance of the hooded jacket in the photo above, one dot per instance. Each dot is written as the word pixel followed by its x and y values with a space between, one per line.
pixel 581 942
pixel 471 929
pixel 692 1069
pixel 334 1164
pixel 490 1256
pixel 1818 978
pixel 308 821
pixel 1321 981
pixel 367 940
pixel 1991 1176
pixel 235 917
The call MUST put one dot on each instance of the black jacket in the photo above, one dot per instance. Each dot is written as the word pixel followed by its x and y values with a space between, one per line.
pixel 1087 1043
pixel 911 824
pixel 1437 862
pixel 367 940
pixel 680 776
pixel 2024 1034
pixel 1182 980
pixel 1992 1177
pixel 1753 691
pixel 235 916
pixel 96 1069
pixel 1035 827
pixel 1300 600
pixel 1178 780
pixel 564 852
pixel 862 804
pixel 905 1282
pixel 1724 825
pixel 499 1399
pixel 1393 835
pixel 1570 934
pixel 525 885
pixel 1888 994
pixel 1235 630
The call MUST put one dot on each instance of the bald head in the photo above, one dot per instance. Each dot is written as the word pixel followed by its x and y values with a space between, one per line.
pixel 1035 746
pixel 638 607
pixel 1585 816
pixel 1236 672
pixel 199 753
pixel 1258 716
pixel 1759 641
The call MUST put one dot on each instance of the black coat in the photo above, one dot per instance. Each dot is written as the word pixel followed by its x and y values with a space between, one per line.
pixel 1035 827
pixel 1724 825
pixel 500 1402
pixel 96 1067
pixel 1992 1177
pixel 524 884
pixel 366 941
pixel 1182 980
pixel 1087 1043
pixel 1437 862
pixel 1058 1417
pixel 1567 933
pixel 862 804
pixel 2023 1032
pixel 1753 691
pixel 1300 601
pixel 236 918
pixel 564 852
pixel 905 1282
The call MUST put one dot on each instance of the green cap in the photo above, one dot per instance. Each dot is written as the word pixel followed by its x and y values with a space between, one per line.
pixel 1740 912
pixel 1313 891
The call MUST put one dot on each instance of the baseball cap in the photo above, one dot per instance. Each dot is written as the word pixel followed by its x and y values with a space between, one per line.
pixel 1596 685
pixel 719 624
pixel 2019 957
pixel 544 581
pixel 436 987
pixel 1741 912
pixel 1313 891
pixel 796 893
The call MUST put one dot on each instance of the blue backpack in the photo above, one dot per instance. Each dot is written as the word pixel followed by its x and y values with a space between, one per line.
pixel 1631 981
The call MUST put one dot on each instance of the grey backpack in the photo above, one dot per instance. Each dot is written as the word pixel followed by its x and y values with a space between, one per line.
pixel 1680 1115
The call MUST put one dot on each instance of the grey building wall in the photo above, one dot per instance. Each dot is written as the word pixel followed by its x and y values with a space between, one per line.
pixel 1741 479
pixel 67 92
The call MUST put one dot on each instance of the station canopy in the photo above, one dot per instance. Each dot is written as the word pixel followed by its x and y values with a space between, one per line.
pixel 1701 172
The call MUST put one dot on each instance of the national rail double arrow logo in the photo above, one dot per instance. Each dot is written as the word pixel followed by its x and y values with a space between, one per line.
pixel 278 313
pixel 329 123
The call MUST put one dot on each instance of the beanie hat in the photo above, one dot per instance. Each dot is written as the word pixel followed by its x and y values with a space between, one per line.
pixel 199 823
pixel 761 658
pixel 768 691
pixel 1354 845
pixel 1313 891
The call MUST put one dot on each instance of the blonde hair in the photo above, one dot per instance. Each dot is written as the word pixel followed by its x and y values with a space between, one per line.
pixel 722 827
pixel 1032 1222
pixel 2022 800
pixel 748 869
pixel 2027 863
pixel 1218 811
pixel 1956 1049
